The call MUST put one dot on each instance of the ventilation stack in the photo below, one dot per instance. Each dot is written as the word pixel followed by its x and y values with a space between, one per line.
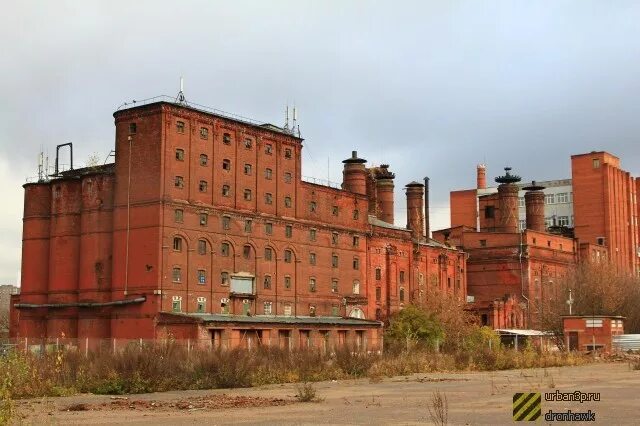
pixel 415 216
pixel 384 193
pixel 354 174
pixel 508 201
pixel 534 202
pixel 481 176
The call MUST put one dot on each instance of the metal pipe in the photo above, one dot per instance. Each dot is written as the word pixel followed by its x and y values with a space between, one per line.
pixel 80 304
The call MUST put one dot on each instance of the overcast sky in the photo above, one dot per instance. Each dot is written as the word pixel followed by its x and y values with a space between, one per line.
pixel 433 88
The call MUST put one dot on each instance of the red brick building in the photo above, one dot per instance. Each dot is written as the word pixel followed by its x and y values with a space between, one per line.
pixel 588 332
pixel 203 228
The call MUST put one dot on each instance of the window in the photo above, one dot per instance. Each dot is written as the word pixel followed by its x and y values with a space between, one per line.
pixel 562 197
pixel 225 249
pixel 600 241
pixel 176 305
pixel 483 243
pixel 204 133
pixel 267 308
pixel 356 263
pixel 268 254
pixel 267 282
pixel 224 307
pixel 247 225
pixel 402 294
pixel 312 234
pixel 179 182
pixel 356 214
pixel 247 169
pixel 204 159
pixel 312 285
pixel 489 212
pixel 226 190
pixel 378 294
pixel 448 282
pixel 402 276
pixel 176 275
pixel 521 202
pixel 596 163
pixel 287 177
pixel 312 258
pixel 180 154
pixel 180 126
pixel 268 149
pixel 226 222
pixel 248 143
pixel 356 287
pixel 247 195
pixel 226 139
pixel 287 309
pixel 246 251
pixel 202 276
pixel 268 228
pixel 178 215
pixel 177 243
pixel 288 256
pixel 356 241
pixel 287 153
pixel 335 311
pixel 334 210
pixel 334 285
pixel 522 224
pixel 549 199
pixel 226 164
pixel 202 187
pixel 334 238
pixel 287 202
pixel 313 206
pixel 268 173
pixel 202 246
pixel 378 274
pixel 268 198
pixel 287 281
pixel 224 278
pixel 204 218
pixel 133 128
pixel 334 260
pixel 201 306
pixel 288 231
pixel 563 220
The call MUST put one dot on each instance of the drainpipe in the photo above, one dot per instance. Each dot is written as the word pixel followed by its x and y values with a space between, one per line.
pixel 522 281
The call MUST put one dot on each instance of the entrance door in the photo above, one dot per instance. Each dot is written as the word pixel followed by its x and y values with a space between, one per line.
pixel 573 340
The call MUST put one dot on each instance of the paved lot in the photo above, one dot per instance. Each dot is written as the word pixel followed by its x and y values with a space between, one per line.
pixel 473 398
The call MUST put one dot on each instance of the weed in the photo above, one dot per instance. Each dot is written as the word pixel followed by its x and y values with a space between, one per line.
pixel 306 392
pixel 439 408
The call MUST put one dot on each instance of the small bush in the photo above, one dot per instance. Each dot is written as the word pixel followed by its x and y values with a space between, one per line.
pixel 439 408
pixel 353 363
pixel 306 392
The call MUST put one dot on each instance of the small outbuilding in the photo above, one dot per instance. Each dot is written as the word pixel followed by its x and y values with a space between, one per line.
pixel 591 332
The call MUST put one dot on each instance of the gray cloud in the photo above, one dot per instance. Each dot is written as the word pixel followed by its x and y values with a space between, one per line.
pixel 431 87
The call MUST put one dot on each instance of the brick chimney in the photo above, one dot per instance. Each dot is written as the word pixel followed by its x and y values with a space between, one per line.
pixel 534 202
pixel 384 193
pixel 481 176
pixel 354 174
pixel 508 201
pixel 415 216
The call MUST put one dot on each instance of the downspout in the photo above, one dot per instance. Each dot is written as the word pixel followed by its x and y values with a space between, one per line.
pixel 522 281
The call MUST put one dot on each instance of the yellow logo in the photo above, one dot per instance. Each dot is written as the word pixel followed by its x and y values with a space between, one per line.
pixel 527 406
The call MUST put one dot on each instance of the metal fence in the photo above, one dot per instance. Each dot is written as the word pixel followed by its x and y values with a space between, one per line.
pixel 626 342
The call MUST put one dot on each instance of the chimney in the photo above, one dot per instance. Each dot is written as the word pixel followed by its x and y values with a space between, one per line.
pixel 534 202
pixel 371 192
pixel 415 217
pixel 481 176
pixel 508 201
pixel 427 227
pixel 384 193
pixel 354 174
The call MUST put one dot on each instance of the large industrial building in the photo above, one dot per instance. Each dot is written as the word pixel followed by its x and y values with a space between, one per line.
pixel 515 258
pixel 203 229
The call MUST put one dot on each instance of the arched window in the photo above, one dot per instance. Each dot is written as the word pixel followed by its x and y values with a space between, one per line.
pixel 357 313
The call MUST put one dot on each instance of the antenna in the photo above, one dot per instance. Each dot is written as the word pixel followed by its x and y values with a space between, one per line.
pixel 40 166
pixel 180 99
pixel 286 118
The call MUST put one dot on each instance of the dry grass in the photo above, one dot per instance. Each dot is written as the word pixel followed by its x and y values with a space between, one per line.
pixel 439 409
pixel 164 367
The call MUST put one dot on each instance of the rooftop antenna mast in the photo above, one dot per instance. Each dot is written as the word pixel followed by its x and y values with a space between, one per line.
pixel 180 99
pixel 295 127
pixel 286 118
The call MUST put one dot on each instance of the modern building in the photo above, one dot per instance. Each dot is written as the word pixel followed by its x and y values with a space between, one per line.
pixel 204 229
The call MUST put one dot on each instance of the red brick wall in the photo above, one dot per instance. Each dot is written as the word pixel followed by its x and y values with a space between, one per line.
pixel 463 208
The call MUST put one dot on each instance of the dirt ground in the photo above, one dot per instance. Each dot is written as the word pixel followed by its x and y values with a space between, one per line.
pixel 473 399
